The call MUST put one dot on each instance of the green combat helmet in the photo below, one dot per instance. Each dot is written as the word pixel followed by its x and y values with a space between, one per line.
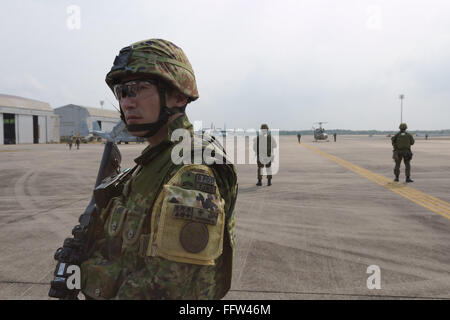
pixel 403 126
pixel 265 126
pixel 160 60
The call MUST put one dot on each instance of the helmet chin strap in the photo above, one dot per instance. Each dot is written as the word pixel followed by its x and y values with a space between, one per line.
pixel 164 114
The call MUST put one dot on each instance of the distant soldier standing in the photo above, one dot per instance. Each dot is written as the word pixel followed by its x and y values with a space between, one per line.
pixel 77 142
pixel 334 135
pixel 264 152
pixel 299 137
pixel 70 143
pixel 402 143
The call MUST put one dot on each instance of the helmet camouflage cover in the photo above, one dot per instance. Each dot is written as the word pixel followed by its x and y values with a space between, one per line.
pixel 403 126
pixel 265 126
pixel 155 58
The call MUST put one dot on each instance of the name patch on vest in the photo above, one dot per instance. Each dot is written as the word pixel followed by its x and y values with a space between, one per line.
pixel 197 181
pixel 205 183
pixel 195 214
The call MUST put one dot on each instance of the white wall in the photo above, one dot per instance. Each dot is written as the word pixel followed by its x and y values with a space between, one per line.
pixel 1 128
pixel 49 128
pixel 48 125
pixel 53 128
pixel 24 128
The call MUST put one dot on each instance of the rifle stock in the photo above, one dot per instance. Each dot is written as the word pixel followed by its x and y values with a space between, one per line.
pixel 77 249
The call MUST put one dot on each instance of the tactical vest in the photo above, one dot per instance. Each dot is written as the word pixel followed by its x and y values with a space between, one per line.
pixel 127 219
pixel 402 140
pixel 268 150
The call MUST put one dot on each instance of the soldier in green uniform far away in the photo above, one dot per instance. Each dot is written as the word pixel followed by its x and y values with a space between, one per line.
pixel 70 142
pixel 170 234
pixel 264 145
pixel 402 143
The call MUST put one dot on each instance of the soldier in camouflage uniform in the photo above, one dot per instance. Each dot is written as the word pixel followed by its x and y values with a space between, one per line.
pixel 402 143
pixel 170 234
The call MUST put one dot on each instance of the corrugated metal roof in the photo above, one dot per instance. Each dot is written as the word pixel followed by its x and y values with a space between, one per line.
pixel 19 102
pixel 94 112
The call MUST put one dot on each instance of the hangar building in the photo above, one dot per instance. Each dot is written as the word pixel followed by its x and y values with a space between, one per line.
pixel 78 120
pixel 27 121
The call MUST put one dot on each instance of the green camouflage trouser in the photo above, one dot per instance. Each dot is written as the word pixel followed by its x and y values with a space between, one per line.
pixel 405 156
pixel 260 167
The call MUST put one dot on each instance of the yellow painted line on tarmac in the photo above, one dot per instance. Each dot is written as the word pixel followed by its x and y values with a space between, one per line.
pixel 431 203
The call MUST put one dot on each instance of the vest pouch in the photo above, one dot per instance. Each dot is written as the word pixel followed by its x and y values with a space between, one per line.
pixel 114 228
pixel 116 218
pixel 100 278
pixel 133 225
pixel 408 155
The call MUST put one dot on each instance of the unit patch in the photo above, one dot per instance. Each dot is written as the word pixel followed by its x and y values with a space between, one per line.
pixel 194 237
pixel 195 214
pixel 198 181
pixel 188 180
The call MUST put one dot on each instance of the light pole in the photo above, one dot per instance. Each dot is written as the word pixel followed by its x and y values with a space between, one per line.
pixel 402 96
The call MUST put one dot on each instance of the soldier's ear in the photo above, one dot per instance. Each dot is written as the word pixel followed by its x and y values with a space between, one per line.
pixel 176 99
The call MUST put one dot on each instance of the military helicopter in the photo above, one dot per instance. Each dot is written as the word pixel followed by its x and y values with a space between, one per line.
pixel 319 133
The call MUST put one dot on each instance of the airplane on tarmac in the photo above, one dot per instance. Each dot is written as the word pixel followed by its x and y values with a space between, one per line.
pixel 218 132
pixel 123 136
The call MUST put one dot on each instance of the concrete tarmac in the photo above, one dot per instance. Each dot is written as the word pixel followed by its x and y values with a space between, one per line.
pixel 311 235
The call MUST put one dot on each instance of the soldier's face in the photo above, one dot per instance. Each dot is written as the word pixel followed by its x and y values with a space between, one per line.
pixel 143 107
pixel 143 104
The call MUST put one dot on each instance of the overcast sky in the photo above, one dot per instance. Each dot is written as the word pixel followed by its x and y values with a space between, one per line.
pixel 286 63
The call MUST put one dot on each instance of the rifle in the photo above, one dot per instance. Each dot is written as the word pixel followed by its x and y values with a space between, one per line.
pixel 78 248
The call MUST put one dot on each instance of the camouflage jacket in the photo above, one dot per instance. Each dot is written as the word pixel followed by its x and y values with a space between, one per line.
pixel 170 234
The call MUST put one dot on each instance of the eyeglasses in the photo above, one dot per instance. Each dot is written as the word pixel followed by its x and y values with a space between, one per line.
pixel 133 89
